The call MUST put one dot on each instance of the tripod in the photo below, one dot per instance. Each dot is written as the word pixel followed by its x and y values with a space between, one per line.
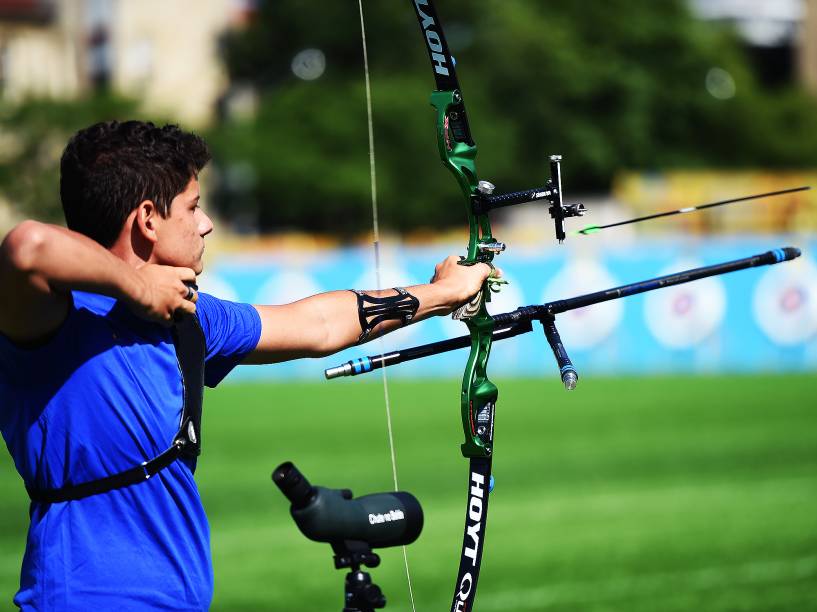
pixel 360 593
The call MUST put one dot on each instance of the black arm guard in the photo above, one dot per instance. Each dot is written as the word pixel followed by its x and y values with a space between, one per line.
pixel 373 310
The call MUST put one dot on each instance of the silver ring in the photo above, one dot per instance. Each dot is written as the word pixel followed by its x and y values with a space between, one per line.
pixel 190 293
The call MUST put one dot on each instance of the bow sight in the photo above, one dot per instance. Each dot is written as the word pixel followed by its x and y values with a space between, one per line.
pixel 484 200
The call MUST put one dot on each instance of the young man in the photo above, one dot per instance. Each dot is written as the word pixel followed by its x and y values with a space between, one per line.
pixel 90 384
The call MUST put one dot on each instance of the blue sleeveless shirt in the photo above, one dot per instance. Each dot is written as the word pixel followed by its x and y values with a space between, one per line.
pixel 102 396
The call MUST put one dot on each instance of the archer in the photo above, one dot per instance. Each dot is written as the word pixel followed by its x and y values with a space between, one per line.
pixel 105 344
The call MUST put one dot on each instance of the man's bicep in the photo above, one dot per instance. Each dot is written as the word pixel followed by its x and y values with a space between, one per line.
pixel 289 331
pixel 29 310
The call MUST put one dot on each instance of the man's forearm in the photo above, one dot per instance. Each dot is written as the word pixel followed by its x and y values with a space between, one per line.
pixel 329 322
pixel 360 327
pixel 431 301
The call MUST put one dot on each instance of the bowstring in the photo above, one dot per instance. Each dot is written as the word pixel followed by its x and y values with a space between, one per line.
pixel 376 244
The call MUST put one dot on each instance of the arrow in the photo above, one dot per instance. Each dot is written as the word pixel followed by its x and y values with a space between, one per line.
pixel 592 229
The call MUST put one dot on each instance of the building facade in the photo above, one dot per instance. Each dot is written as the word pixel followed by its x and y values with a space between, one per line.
pixel 163 52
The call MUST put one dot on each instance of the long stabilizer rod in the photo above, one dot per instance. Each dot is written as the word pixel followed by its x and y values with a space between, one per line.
pixel 519 321
pixel 592 229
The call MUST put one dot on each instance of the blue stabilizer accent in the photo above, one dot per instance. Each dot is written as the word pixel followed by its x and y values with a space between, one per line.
pixel 567 368
pixel 779 255
pixel 638 288
pixel 362 365
pixel 491 484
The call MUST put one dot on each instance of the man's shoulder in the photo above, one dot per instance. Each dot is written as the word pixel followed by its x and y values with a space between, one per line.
pixel 231 332
pixel 219 316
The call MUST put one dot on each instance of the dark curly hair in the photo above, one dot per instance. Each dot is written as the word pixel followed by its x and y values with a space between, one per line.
pixel 108 169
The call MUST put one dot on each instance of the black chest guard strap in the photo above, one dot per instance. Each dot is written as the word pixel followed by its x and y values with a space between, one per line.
pixel 188 339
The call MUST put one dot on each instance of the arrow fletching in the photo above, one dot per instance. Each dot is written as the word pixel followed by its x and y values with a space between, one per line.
pixel 590 229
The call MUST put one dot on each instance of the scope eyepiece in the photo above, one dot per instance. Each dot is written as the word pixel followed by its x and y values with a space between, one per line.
pixel 293 484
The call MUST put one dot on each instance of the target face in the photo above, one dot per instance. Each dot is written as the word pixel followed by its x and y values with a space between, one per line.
pixel 785 303
pixel 686 315
pixel 585 327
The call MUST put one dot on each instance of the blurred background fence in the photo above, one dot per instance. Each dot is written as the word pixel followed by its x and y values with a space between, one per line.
pixel 759 320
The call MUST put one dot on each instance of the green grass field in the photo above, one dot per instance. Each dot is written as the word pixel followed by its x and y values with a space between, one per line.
pixel 632 494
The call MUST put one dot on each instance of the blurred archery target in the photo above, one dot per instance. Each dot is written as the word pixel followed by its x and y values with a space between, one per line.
pixel 685 315
pixel 785 303
pixel 589 326
pixel 285 287
pixel 216 286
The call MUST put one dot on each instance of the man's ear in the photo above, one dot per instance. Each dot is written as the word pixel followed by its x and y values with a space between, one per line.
pixel 147 220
